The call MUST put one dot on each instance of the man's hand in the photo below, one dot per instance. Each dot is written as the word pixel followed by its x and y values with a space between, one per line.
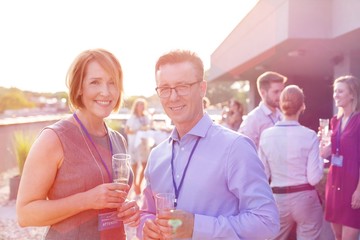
pixel 176 224
pixel 151 230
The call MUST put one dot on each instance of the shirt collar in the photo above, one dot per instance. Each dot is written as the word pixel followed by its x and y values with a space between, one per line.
pixel 287 123
pixel 268 112
pixel 199 130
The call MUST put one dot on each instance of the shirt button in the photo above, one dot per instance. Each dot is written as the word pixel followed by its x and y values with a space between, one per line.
pixel 338 189
pixel 182 149
pixel 177 176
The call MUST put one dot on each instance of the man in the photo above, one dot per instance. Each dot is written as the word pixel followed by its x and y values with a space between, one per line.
pixel 267 113
pixel 220 187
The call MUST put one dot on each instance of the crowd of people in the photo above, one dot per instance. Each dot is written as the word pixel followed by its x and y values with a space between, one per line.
pixel 242 178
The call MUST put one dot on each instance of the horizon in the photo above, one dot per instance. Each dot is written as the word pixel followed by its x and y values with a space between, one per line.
pixel 45 37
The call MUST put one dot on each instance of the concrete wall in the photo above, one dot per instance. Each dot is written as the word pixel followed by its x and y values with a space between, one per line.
pixel 269 24
pixel 318 99
pixel 346 17
pixel 246 41
pixel 33 125
pixel 7 153
pixel 310 19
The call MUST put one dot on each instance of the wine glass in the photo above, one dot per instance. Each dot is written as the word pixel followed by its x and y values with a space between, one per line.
pixel 164 202
pixel 324 128
pixel 120 167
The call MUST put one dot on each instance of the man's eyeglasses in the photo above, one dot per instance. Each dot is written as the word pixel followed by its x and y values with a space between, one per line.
pixel 181 90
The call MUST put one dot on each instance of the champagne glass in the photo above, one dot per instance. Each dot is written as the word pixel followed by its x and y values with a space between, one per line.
pixel 325 134
pixel 164 202
pixel 120 167
pixel 324 128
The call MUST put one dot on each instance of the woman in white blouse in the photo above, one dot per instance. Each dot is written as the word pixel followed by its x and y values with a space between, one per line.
pixel 290 153
pixel 139 120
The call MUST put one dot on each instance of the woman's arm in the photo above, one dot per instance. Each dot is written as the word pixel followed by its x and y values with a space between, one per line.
pixel 315 164
pixel 32 206
pixel 355 201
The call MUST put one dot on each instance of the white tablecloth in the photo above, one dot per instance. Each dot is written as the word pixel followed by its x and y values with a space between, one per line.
pixel 154 137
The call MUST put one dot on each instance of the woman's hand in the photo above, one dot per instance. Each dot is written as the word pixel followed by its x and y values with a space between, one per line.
pixel 107 195
pixel 325 151
pixel 129 213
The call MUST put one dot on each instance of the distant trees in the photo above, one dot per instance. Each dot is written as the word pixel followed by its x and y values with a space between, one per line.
pixel 13 99
pixel 222 91
pixel 219 93
pixel 16 99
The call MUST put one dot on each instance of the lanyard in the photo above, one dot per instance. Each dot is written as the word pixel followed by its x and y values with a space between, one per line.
pixel 272 120
pixel 338 136
pixel 92 142
pixel 177 190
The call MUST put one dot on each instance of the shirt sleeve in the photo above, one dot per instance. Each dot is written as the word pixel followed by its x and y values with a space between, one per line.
pixel 264 159
pixel 250 129
pixel 257 217
pixel 148 208
pixel 315 164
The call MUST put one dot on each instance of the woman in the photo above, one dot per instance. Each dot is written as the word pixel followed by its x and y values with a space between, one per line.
pixel 235 114
pixel 67 183
pixel 138 121
pixel 290 153
pixel 342 191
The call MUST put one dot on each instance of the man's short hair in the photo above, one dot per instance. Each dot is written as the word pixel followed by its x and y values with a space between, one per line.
pixel 265 79
pixel 180 56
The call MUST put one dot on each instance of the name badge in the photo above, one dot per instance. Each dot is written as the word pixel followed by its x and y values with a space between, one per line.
pixel 108 220
pixel 337 160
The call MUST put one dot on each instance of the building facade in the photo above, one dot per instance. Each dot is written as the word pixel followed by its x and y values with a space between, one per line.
pixel 311 42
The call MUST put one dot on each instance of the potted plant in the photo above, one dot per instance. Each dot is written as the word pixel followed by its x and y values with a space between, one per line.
pixel 22 143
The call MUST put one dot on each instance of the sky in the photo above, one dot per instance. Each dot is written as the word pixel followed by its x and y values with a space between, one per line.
pixel 40 38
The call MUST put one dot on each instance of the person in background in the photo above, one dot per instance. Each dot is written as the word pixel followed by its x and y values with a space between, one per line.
pixel 206 102
pixel 139 120
pixel 220 187
pixel 290 153
pixel 67 179
pixel 234 115
pixel 224 112
pixel 342 190
pixel 267 113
